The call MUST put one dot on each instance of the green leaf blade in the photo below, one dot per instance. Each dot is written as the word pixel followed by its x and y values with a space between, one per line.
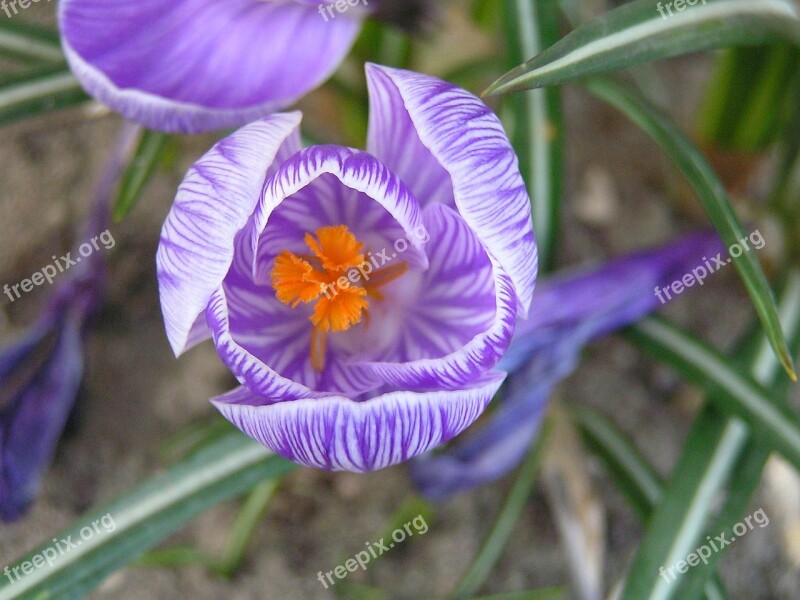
pixel 639 32
pixel 720 452
pixel 149 153
pixel 29 43
pixel 538 129
pixel 38 92
pixel 711 194
pixel 147 514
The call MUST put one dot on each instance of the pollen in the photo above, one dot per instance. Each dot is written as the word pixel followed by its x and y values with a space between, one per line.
pixel 336 277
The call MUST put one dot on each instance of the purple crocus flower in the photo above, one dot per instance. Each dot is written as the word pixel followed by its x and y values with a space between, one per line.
pixel 144 59
pixel 40 376
pixel 568 311
pixel 362 299
pixel 41 373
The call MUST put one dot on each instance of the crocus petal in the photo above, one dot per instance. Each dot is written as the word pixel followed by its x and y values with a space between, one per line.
pixel 328 185
pixel 458 272
pixel 567 313
pixel 339 434
pixel 502 443
pixel 213 203
pixel 265 343
pixel 33 417
pixel 416 118
pixel 145 59
pixel 321 185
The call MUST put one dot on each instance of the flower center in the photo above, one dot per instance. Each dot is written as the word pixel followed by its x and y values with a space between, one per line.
pixel 337 277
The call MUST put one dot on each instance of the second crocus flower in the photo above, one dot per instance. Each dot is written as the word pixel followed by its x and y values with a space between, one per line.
pixel 188 66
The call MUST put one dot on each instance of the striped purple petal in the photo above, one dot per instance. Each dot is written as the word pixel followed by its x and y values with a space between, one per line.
pixel 267 344
pixel 337 433
pixel 449 147
pixel 463 314
pixel 214 202
pixel 196 65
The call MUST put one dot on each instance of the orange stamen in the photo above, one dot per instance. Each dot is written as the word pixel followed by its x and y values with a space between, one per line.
pixel 295 280
pixel 320 277
pixel 336 247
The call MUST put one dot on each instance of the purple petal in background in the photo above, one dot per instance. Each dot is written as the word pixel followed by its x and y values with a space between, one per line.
pixel 196 65
pixel 40 377
pixel 567 312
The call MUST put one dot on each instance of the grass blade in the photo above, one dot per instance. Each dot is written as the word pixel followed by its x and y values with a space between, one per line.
pixel 503 527
pixel 733 392
pixel 711 194
pixel 29 43
pixel 147 515
pixel 747 471
pixel 736 394
pixel 716 453
pixel 244 527
pixel 538 129
pixel 41 91
pixel 640 31
pixel 633 475
pixel 148 154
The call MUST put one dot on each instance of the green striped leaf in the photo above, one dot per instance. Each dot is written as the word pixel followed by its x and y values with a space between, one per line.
pixel 746 473
pixel 718 453
pixel 29 43
pixel 633 475
pixel 147 515
pixel 711 194
pixel 33 93
pixel 641 31
pixel 734 392
pixel 537 126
